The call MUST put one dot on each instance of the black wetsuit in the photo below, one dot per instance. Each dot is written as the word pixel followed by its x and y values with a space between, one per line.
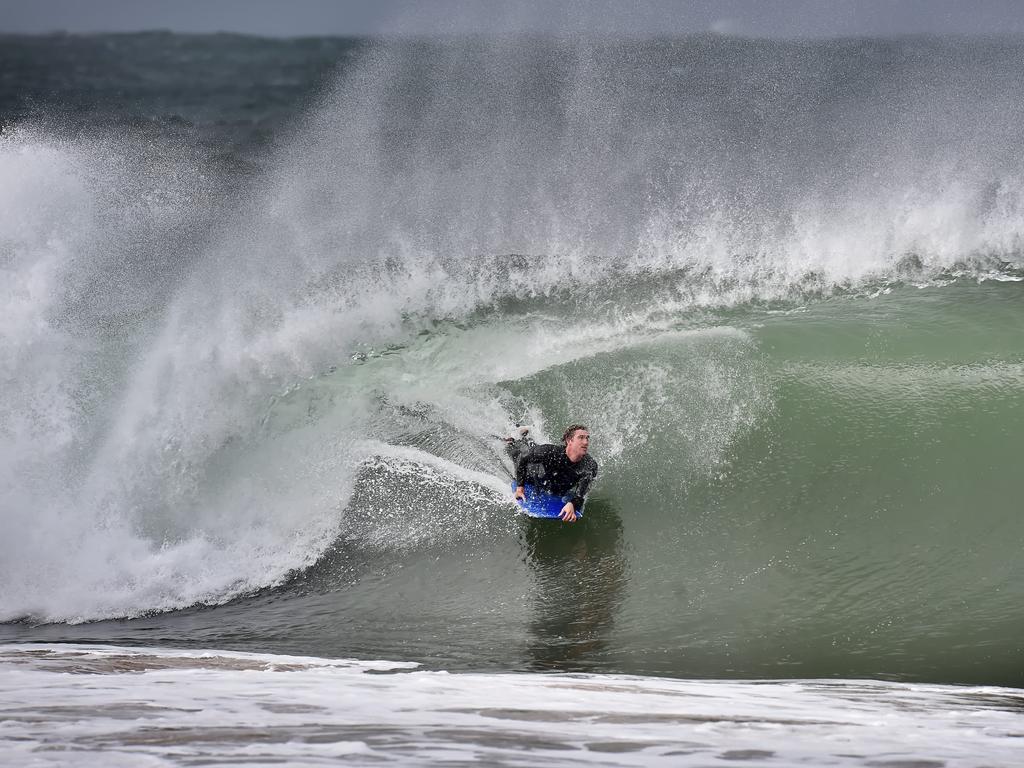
pixel 548 467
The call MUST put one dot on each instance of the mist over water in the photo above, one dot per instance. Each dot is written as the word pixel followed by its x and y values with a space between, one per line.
pixel 255 356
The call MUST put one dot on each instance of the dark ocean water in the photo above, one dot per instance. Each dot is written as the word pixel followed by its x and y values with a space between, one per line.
pixel 266 301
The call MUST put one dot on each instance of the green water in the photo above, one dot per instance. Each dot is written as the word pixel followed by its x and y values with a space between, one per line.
pixel 813 491
pixel 870 516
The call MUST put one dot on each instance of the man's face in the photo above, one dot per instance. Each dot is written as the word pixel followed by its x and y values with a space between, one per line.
pixel 578 444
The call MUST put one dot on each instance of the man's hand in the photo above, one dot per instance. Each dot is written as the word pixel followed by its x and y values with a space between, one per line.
pixel 520 494
pixel 568 513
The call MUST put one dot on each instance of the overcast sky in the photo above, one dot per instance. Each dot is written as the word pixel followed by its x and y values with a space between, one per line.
pixel 760 18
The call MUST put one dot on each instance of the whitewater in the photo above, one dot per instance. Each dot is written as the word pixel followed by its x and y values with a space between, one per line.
pixel 265 305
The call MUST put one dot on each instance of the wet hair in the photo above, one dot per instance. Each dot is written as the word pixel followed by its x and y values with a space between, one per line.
pixel 571 430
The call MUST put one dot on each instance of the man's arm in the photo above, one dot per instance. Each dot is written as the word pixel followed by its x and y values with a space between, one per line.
pixel 583 485
pixel 521 471
pixel 520 468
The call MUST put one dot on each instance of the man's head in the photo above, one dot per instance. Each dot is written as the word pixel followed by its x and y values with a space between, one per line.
pixel 577 441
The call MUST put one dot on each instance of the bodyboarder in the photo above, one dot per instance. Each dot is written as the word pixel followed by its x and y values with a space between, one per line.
pixel 555 469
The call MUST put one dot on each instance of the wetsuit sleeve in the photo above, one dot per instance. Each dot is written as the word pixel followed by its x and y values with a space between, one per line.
pixel 521 470
pixel 586 478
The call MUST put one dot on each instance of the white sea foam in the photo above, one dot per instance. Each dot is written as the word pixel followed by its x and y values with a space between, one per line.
pixel 88 705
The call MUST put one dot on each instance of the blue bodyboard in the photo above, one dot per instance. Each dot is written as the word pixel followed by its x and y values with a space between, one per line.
pixel 542 504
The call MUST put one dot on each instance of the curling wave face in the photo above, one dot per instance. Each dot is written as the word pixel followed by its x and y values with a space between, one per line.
pixel 779 282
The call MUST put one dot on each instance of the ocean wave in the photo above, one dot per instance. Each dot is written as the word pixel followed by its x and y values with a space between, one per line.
pixel 524 231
